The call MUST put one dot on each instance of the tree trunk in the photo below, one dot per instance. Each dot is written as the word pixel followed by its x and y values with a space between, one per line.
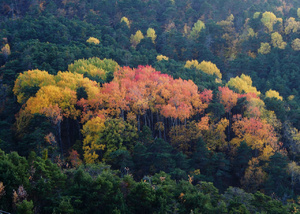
pixel 59 137
pixel 139 124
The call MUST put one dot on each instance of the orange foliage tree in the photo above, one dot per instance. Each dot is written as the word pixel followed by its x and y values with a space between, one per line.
pixel 257 133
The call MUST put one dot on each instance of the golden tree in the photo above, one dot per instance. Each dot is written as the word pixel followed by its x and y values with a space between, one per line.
pixel 243 84
pixel 126 20
pixel 291 25
pixel 93 40
pixel 151 34
pixel 269 19
pixel 210 68
pixel 162 57
pixel 6 51
pixel 28 83
pixel 277 41
pixel 265 48
pixel 205 66
pixel 91 145
pixel 198 26
pixel 256 15
pixel 296 45
pixel 136 38
pixel 273 94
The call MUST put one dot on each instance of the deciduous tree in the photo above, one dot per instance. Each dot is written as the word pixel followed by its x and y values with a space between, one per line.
pixel 265 48
pixel 277 41
pixel 291 25
pixel 296 44
pixel 151 34
pixel 126 20
pixel 93 40
pixel 198 27
pixel 269 19
pixel 28 83
pixel 162 57
pixel 243 84
pixel 91 144
pixel 136 38
pixel 273 94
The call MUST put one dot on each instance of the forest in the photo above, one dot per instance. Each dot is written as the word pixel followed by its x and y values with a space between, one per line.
pixel 149 106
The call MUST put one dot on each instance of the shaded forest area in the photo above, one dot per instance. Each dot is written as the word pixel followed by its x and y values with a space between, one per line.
pixel 150 106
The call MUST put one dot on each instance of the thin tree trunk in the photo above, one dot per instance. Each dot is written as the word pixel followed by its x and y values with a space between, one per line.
pixel 139 124
pixel 59 137
pixel 68 131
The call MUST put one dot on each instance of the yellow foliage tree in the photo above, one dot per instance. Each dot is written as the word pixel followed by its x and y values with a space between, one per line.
pixel 275 94
pixel 136 38
pixel 182 136
pixel 205 66
pixel 91 136
pixel 74 81
pixel 94 68
pixel 294 171
pixel 227 22
pixel 209 68
pixel 191 63
pixel 243 84
pixel 269 19
pixel 291 97
pixel 28 83
pixel 126 20
pixel 215 136
pixel 162 57
pixel 6 51
pixel 296 45
pixel 68 79
pixel 265 48
pixel 52 95
pixel 151 34
pixel 254 176
pixel 258 134
pixel 298 12
pixel 198 26
pixel 291 25
pixel 93 40
pixel 277 41
pixel 251 33
pixel 256 15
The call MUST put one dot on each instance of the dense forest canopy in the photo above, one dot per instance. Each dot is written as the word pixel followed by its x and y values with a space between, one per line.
pixel 150 106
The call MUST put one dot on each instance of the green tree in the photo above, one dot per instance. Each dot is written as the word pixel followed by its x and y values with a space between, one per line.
pixel 278 179
pixel 14 172
pixel 141 198
pixel 240 162
pixel 25 207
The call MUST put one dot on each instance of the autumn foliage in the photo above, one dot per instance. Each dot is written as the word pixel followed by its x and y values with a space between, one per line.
pixel 113 113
